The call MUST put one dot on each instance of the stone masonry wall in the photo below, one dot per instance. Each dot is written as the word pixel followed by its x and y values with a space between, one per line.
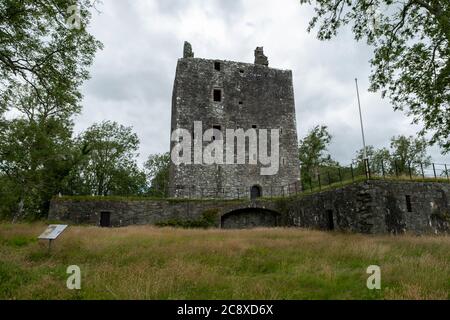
pixel 252 95
pixel 350 208
pixel 373 207
pixel 376 207
pixel 138 212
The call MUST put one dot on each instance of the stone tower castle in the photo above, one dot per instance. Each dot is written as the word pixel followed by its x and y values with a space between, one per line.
pixel 233 95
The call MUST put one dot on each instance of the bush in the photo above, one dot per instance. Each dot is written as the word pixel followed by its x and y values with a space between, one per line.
pixel 207 220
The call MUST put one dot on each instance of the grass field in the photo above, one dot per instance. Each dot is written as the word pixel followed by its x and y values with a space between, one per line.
pixel 163 263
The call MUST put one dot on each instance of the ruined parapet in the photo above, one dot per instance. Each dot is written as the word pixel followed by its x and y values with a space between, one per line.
pixel 187 50
pixel 260 58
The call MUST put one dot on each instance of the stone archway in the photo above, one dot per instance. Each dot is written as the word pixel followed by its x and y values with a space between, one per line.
pixel 246 218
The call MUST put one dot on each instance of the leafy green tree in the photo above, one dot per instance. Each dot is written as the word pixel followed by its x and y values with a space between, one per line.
pixel 157 170
pixel 44 57
pixel 109 166
pixel 9 201
pixel 409 152
pixel 312 153
pixel 405 152
pixel 379 160
pixel 43 62
pixel 34 159
pixel 411 62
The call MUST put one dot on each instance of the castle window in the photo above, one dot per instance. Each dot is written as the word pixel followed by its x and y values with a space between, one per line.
pixel 254 126
pixel 240 102
pixel 217 66
pixel 408 203
pixel 241 70
pixel 219 128
pixel 217 95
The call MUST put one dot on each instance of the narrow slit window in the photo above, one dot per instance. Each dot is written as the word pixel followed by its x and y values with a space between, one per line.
pixel 408 203
pixel 217 95
pixel 217 135
pixel 217 66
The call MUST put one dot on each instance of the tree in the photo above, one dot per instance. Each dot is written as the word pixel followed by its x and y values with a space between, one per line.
pixel 43 58
pixel 379 160
pixel 43 62
pixel 411 62
pixel 34 159
pixel 157 170
pixel 109 167
pixel 312 152
pixel 405 153
pixel 409 152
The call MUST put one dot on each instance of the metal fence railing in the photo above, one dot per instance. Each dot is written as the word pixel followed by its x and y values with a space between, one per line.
pixel 316 179
pixel 368 169
pixel 321 178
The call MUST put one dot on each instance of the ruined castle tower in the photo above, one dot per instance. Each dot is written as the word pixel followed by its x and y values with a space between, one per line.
pixel 232 95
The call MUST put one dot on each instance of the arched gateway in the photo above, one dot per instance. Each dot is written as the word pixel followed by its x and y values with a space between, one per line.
pixel 250 218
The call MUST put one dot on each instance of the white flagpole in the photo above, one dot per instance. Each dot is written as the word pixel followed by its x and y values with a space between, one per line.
pixel 361 121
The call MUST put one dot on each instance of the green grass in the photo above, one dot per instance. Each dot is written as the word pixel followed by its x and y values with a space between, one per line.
pixel 165 263
pixel 307 191
pixel 19 241
pixel 139 198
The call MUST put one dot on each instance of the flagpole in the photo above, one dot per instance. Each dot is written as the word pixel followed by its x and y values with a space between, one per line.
pixel 361 121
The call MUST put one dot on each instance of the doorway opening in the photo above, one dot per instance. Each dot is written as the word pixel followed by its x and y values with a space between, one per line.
pixel 105 219
pixel 330 222
pixel 255 192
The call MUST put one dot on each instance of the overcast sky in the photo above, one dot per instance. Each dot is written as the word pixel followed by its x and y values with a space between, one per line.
pixel 132 77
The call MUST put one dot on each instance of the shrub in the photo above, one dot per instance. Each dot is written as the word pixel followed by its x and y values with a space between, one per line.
pixel 207 220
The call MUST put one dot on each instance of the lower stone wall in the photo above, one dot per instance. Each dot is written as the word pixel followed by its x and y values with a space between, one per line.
pixel 348 208
pixel 372 207
pixel 376 207
pixel 138 212
pixel 415 207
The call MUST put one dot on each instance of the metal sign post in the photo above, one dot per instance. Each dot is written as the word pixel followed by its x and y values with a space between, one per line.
pixel 51 233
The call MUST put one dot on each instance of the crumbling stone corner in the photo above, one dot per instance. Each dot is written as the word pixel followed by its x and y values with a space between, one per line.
pixel 187 50
pixel 260 58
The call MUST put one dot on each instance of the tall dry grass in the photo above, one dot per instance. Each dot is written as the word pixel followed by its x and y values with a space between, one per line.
pixel 144 262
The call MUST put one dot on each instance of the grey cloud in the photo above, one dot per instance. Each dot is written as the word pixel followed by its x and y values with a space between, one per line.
pixel 227 10
pixel 132 77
